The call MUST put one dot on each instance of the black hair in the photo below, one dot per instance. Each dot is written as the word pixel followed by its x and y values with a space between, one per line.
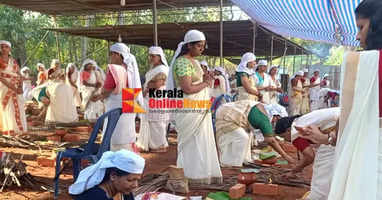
pixel 284 123
pixel 372 9
pixel 185 48
pixel 114 170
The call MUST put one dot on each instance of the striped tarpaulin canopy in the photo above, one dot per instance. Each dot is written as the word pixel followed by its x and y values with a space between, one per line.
pixel 331 21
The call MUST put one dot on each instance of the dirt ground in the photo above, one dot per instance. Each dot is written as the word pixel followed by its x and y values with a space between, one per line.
pixel 155 163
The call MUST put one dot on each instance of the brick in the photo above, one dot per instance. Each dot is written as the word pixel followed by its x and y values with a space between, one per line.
pixel 237 191
pixel 54 138
pixel 71 138
pixel 46 162
pixel 265 189
pixel 82 129
pixel 61 132
pixel 289 148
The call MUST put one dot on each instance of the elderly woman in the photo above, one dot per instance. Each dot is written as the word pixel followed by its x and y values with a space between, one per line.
pixel 71 75
pixel 360 134
pixel 295 94
pixel 122 73
pixel 262 81
pixel 196 142
pixel 275 86
pixel 12 114
pixel 220 85
pixel 234 122
pixel 42 75
pixel 244 78
pixel 27 83
pixel 61 105
pixel 90 85
pixel 152 135
pixel 114 176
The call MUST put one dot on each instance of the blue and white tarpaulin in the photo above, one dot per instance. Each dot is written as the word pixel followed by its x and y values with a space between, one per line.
pixel 331 21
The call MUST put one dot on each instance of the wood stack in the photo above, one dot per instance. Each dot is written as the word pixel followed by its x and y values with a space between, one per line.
pixel 14 173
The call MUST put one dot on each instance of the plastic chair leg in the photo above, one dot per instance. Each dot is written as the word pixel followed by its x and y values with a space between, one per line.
pixel 76 168
pixel 57 175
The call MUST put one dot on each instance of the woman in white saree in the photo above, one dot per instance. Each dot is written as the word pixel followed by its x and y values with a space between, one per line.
pixel 153 130
pixel 275 86
pixel 61 106
pixel 90 85
pixel 197 153
pixel 71 77
pixel 358 168
pixel 122 73
pixel 12 114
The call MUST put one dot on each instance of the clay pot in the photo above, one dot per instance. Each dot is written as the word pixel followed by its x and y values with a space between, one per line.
pixel 270 161
pixel 246 178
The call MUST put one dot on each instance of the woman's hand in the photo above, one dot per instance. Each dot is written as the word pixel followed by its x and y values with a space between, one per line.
pixel 314 134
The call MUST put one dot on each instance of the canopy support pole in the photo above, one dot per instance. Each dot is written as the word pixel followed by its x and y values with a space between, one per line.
pixel 221 34
pixel 294 58
pixel 286 48
pixel 271 50
pixel 254 37
pixel 155 22
pixel 56 34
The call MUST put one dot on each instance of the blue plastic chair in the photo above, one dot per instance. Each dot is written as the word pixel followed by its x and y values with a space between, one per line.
pixel 92 151
pixel 215 105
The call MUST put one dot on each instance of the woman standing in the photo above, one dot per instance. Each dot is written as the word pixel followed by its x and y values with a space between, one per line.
pixel 244 78
pixel 122 73
pixel 153 129
pixel 71 79
pixel 42 75
pixel 295 94
pixel 262 81
pixel 359 140
pixel 275 86
pixel 27 83
pixel 90 86
pixel 12 114
pixel 197 153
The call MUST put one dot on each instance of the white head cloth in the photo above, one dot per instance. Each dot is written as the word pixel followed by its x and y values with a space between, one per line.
pixel 93 175
pixel 54 62
pixel 306 70
pixel 316 70
pixel 6 43
pixel 326 75
pixel 132 67
pixel 40 65
pixel 71 65
pixel 191 36
pixel 86 61
pixel 299 73
pixel 226 77
pixel 270 69
pixel 22 71
pixel 262 63
pixel 154 50
pixel 203 62
pixel 242 67
pixel 122 49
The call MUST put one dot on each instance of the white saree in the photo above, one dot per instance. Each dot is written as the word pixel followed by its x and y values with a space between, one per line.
pixel 357 172
pixel 92 109
pixel 197 153
pixel 13 120
pixel 62 107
